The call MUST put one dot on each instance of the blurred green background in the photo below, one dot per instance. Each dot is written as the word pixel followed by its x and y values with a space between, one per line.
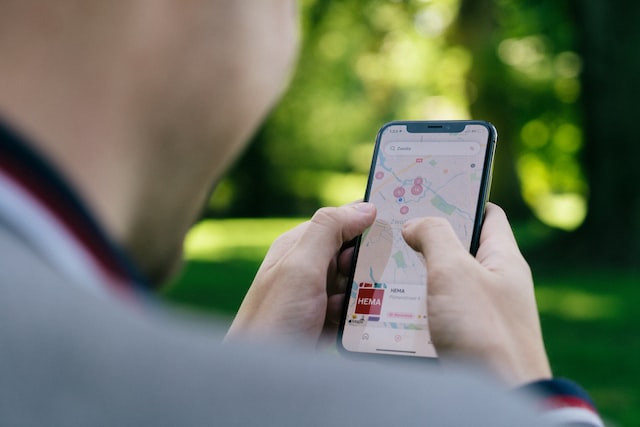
pixel 558 79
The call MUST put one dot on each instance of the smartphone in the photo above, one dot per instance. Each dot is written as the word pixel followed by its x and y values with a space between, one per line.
pixel 419 168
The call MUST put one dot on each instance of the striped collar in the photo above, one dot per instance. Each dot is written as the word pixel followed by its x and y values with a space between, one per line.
pixel 39 205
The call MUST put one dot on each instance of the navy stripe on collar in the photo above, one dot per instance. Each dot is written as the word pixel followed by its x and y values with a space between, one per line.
pixel 39 178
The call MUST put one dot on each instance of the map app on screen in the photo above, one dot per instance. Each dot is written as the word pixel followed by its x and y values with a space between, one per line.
pixel 414 174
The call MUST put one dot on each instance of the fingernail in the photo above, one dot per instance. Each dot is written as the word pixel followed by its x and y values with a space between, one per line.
pixel 364 207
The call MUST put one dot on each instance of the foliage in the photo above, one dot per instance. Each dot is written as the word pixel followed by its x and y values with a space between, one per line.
pixel 365 63
pixel 526 74
pixel 362 64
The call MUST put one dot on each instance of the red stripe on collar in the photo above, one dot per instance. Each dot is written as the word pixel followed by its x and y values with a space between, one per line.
pixel 37 177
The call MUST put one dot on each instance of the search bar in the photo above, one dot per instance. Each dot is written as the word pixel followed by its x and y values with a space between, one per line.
pixel 432 148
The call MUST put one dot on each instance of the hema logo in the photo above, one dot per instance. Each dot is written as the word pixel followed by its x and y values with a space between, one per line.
pixel 369 300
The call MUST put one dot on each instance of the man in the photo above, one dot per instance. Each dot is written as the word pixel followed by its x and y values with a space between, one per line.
pixel 117 118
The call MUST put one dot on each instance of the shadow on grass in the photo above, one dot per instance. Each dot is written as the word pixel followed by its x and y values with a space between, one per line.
pixel 590 322
pixel 212 287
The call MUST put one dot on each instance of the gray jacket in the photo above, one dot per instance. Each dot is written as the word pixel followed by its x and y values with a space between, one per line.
pixel 70 358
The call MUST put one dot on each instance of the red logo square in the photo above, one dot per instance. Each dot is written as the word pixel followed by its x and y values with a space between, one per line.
pixel 369 301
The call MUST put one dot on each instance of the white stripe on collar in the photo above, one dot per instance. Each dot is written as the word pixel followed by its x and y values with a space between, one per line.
pixel 49 236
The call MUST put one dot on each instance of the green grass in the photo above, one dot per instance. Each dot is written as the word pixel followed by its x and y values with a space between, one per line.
pixel 589 318
pixel 222 257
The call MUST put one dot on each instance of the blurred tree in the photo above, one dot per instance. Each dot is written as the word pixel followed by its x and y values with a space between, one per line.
pixel 477 29
pixel 525 80
pixel 362 63
pixel 609 38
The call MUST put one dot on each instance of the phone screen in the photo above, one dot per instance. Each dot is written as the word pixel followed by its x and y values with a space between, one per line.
pixel 419 169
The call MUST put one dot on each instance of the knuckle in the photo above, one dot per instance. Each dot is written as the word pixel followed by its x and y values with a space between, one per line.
pixel 288 264
pixel 436 274
pixel 283 240
pixel 324 216
pixel 291 236
pixel 326 222
pixel 516 260
pixel 429 224
pixel 297 269
pixel 523 265
pixel 448 267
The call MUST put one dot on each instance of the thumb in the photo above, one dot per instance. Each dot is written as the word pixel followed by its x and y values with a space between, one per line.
pixel 330 228
pixel 434 238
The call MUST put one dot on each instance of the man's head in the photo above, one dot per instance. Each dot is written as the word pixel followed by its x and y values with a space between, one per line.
pixel 143 104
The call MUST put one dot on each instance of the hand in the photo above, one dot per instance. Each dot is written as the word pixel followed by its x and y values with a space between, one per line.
pixel 299 288
pixel 481 308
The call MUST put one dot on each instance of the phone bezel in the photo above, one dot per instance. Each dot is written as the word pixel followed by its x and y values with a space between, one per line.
pixel 422 126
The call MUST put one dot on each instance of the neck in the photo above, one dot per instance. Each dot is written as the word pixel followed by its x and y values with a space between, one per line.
pixel 141 104
pixel 73 94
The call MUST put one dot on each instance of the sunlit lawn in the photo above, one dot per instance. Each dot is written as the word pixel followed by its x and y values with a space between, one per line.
pixel 590 318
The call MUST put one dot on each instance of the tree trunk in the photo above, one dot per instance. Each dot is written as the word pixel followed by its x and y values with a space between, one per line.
pixel 476 30
pixel 610 45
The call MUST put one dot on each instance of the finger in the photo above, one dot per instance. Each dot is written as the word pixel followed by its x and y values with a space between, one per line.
pixel 345 261
pixel 433 237
pixel 339 272
pixel 443 252
pixel 330 228
pixel 287 240
pixel 338 285
pixel 496 226
pixel 351 243
pixel 497 240
pixel 332 321
pixel 334 310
